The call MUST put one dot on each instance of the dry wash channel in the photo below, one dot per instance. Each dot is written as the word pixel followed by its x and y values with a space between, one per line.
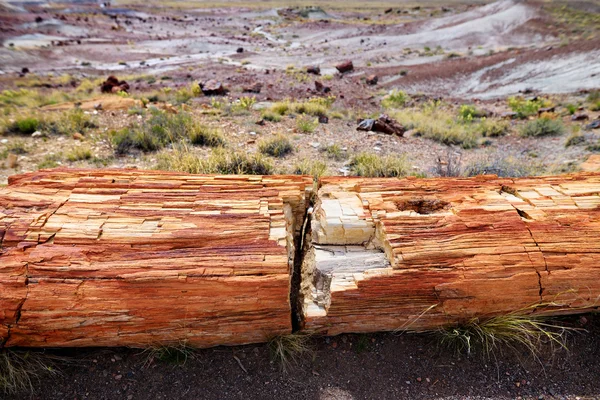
pixel 121 257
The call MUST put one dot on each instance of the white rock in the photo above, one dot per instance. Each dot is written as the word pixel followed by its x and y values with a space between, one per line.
pixel 315 144
pixel 36 134
pixel 4 141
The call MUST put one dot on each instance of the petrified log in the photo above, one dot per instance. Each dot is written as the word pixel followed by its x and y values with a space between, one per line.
pixel 125 257
pixel 393 254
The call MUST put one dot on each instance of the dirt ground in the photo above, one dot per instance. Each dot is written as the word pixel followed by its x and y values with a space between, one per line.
pixel 377 366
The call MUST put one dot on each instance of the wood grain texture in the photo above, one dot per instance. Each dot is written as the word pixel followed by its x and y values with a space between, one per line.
pixel 454 249
pixel 125 257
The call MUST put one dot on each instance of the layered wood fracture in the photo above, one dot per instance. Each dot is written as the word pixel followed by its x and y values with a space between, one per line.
pixel 137 258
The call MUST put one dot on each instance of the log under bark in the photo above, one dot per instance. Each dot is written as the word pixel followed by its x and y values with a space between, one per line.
pixel 417 254
pixel 136 258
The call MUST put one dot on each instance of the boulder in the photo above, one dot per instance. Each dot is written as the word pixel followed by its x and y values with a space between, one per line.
pixel 580 117
pixel 113 85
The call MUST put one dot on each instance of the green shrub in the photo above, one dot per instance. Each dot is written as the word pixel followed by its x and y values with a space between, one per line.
pixel 23 126
pixel 202 135
pixel 278 146
pixel 571 108
pixel 527 108
pixel 492 128
pixel 372 165
pixel 154 133
pixel 307 124
pixel 395 99
pixel 543 127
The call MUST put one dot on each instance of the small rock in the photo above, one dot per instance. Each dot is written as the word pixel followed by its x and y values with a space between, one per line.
pixel 334 345
pixel 252 133
pixel 4 141
pixel 372 80
pixel 419 379
pixel 213 88
pixel 313 69
pixel 78 136
pixel 546 110
pixel 579 117
pixel 323 119
pixel 594 125
pixel 315 144
pixel 319 87
pixel 118 358
pixel 345 66
pixel 11 161
pixel 36 134
pixel 240 50
pixel 24 70
pixel 254 88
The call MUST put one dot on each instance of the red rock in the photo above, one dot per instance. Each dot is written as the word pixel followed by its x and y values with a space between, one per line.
pixel 345 66
pixel 372 80
pixel 314 69
pixel 213 88
pixel 254 88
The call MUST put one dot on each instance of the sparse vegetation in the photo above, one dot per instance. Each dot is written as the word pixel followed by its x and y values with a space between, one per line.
pixel 307 124
pixel 434 123
pixel 202 135
pixel 334 152
pixel 520 329
pixel 395 99
pixel 19 369
pixel 79 153
pixel 279 146
pixel 527 108
pixel 50 161
pixel 315 168
pixel 509 166
pixel 374 166
pixel 174 354
pixel 543 127
pixel 220 161
pixel 574 139
pixel 491 128
pixel 271 116
pixel 286 349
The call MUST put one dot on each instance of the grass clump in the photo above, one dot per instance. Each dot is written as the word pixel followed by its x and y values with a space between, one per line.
pixel 50 161
pixel 395 99
pixel 314 168
pixel 17 147
pixel 23 126
pixel 287 349
pixel 154 133
pixel 79 154
pixel 374 166
pixel 334 152
pixel 278 146
pixel 18 370
pixel 543 127
pixel 594 99
pixel 202 135
pixel 306 124
pixel 527 108
pixel 574 139
pixel 520 329
pixel 219 162
pixel 504 167
pixel 439 125
pixel 177 354
pixel 492 128
pixel 271 116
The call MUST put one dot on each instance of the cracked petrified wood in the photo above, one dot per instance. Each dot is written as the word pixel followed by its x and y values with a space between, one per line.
pixel 394 254
pixel 115 257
